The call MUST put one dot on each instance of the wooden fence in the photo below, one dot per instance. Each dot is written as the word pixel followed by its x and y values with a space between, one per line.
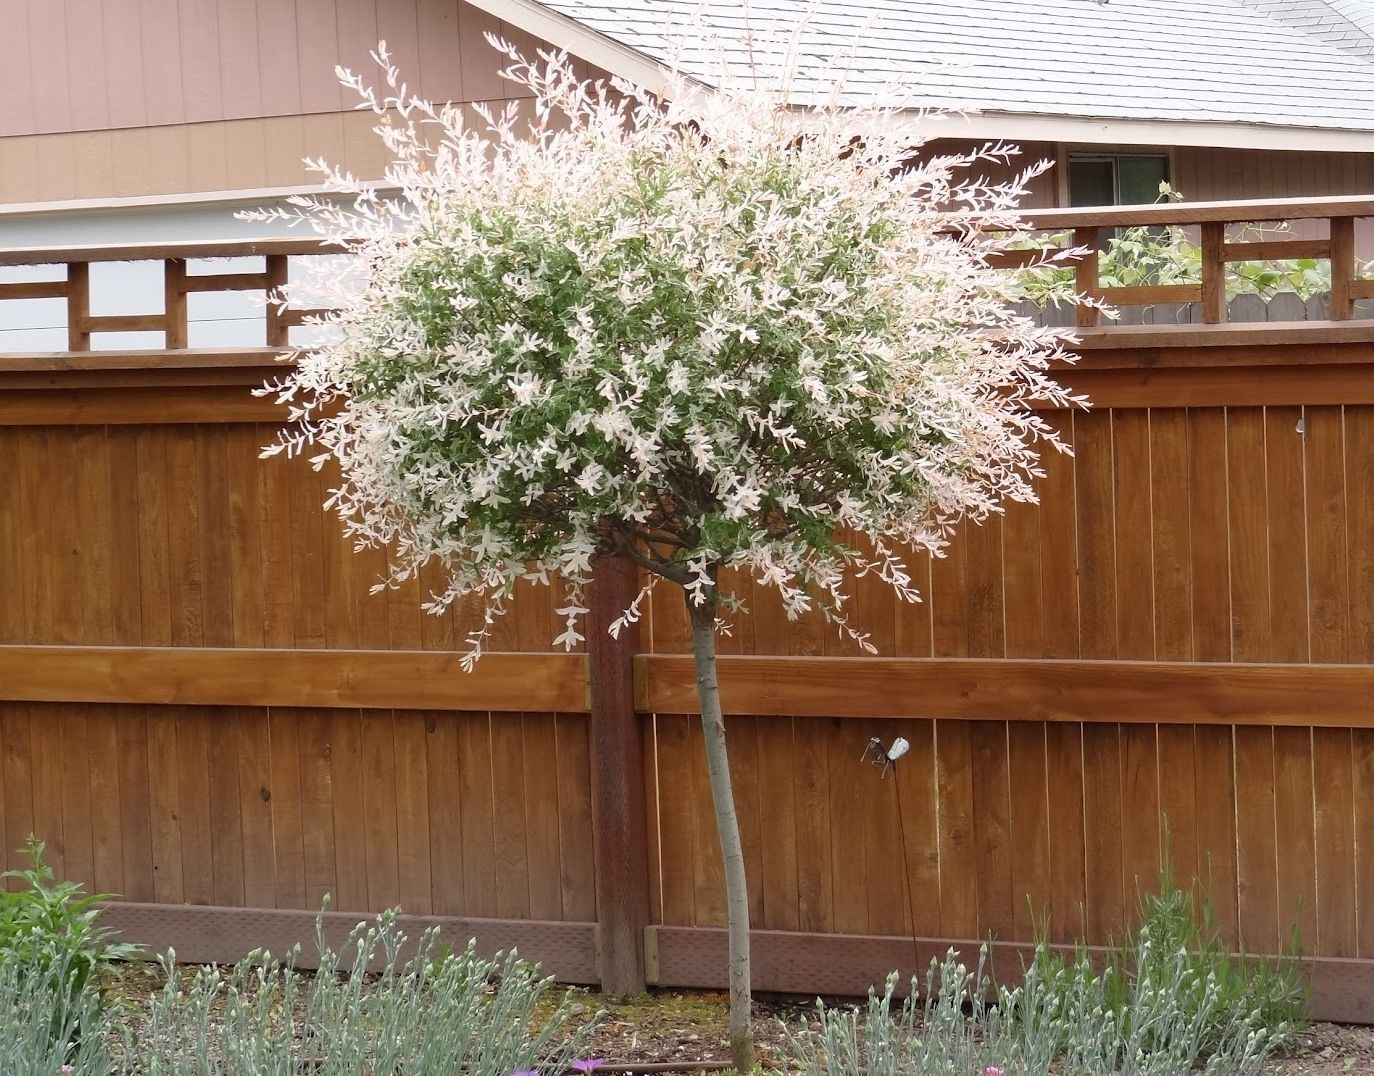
pixel 203 709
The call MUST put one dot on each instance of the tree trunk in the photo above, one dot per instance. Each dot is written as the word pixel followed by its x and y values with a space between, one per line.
pixel 727 825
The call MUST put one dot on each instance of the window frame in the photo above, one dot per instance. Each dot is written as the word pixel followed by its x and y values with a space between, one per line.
pixel 1066 151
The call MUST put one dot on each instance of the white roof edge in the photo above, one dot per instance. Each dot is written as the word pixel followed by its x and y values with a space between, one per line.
pixel 1032 127
pixel 247 197
pixel 135 201
pixel 596 48
pixel 581 40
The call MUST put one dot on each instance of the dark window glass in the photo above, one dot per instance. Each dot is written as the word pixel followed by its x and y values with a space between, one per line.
pixel 1115 179
pixel 1092 181
pixel 1138 179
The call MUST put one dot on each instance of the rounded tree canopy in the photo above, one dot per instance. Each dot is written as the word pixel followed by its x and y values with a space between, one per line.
pixel 700 329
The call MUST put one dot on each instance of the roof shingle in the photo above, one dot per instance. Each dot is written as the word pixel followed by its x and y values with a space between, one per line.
pixel 1292 63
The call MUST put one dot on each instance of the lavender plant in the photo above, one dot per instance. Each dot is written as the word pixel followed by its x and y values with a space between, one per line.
pixel 369 1007
pixel 702 330
pixel 46 1028
pixel 1060 1020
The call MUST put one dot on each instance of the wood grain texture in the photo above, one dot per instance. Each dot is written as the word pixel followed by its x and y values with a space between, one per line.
pixel 1019 689
pixel 1176 640
pixel 190 675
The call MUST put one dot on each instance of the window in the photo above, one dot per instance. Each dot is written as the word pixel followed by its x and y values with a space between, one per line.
pixel 1116 178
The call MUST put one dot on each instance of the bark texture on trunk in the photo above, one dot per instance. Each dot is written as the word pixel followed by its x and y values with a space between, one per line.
pixel 727 824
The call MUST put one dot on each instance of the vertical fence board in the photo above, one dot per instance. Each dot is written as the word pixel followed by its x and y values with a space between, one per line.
pixel 676 818
pixel 1251 637
pixel 815 907
pixel 1287 519
pixel 445 813
pixel 849 803
pixel 1132 539
pixel 1096 544
pixel 708 869
pixel 166 828
pixel 45 760
pixel 885 876
pixel 319 828
pixel 381 863
pixel 1171 579
pixel 74 760
pixel 1106 894
pixel 478 799
pixel 1256 852
pixel 1215 794
pixel 226 809
pixel 777 865
pixel 193 792
pixel 575 835
pixel 992 804
pixel 415 888
pixel 135 803
pixel 1335 852
pixel 1141 811
pixel 1030 827
pixel 1295 825
pixel 1068 882
pixel 958 871
pixel 1328 555
pixel 253 744
pixel 1177 801
pixel 285 792
pixel 915 781
pixel 1209 544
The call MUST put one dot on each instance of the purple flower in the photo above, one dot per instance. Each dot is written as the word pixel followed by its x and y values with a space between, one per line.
pixel 588 1065
pixel 526 1072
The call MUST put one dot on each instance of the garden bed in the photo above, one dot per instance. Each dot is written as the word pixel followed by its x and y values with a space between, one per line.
pixel 683 1028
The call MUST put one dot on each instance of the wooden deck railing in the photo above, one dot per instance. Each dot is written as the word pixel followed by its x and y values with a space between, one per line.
pixel 178 283
pixel 1085 225
pixel 1212 220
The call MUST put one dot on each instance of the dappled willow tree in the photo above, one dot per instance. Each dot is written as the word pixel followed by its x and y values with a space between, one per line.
pixel 701 330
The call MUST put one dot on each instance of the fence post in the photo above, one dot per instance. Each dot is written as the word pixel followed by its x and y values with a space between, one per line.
pixel 1213 273
pixel 1086 281
pixel 619 826
pixel 1343 271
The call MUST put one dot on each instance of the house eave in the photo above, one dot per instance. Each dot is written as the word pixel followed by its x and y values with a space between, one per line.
pixel 1033 127
pixel 619 59
pixel 579 40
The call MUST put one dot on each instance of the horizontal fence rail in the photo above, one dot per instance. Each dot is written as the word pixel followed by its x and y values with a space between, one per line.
pixel 842 688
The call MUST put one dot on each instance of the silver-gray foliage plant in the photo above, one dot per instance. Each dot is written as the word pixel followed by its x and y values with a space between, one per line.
pixel 1059 1020
pixel 46 1029
pixel 419 1010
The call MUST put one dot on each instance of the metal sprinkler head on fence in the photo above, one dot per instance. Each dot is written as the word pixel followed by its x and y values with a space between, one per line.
pixel 884 757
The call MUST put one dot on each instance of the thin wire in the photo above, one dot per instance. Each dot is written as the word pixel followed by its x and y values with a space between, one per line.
pixel 906 874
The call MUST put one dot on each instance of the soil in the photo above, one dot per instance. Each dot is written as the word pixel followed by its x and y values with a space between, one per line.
pixel 690 1026
pixel 1329 1050
pixel 682 1026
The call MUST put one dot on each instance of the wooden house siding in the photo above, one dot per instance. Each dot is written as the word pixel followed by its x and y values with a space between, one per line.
pixel 103 65
pixel 122 98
